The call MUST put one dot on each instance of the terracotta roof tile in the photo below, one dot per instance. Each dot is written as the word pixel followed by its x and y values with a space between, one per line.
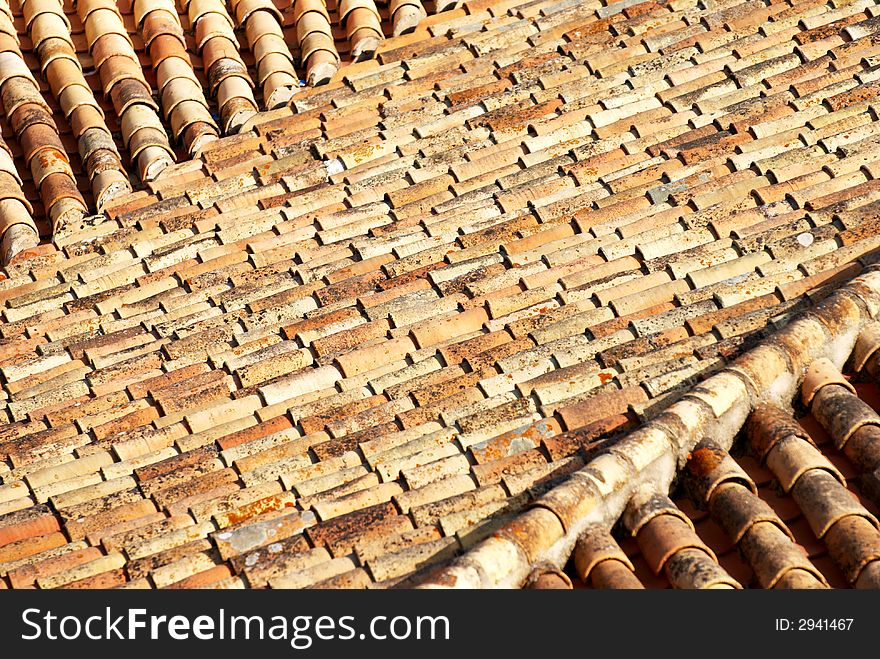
pixel 482 270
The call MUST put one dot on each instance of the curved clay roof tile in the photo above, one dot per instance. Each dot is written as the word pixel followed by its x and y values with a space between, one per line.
pixel 15 92
pixel 547 577
pixel 272 63
pixel 664 536
pixel 100 156
pixel 49 26
pixel 595 546
pixel 187 113
pixel 86 7
pixel 228 79
pixel 31 9
pixel 211 26
pixel 614 575
pixel 58 186
pixel 236 112
pixel 271 54
pixel 245 9
pixel 108 184
pixel 234 87
pixel 854 544
pixel 302 8
pixel 161 22
pixel 152 161
pixel 29 114
pixel 321 57
pixel 137 117
pixel 197 136
pixel 10 188
pixel 117 68
pixel 824 501
pixel 867 346
pixel 103 21
pixel 9 44
pixel 198 10
pixel 278 88
pixel 774 557
pixel 95 138
pixel 179 90
pixel 220 48
pixel 7 164
pixel 315 37
pixel 74 96
pixel 13 66
pixel 15 213
pixel 270 44
pixel 710 466
pixel 47 162
pixel 348 6
pixel 123 81
pixel 7 26
pixel 61 73
pixel 68 208
pixel 54 49
pixel 127 92
pixel 222 67
pixel 49 30
pixel 143 8
pixel 842 413
pixel 793 457
pixel 174 68
pixel 260 25
pixel 364 30
pixel 643 507
pixel 769 424
pixel 149 137
pixel 106 46
pixel 310 23
pixel 166 46
pixel 737 510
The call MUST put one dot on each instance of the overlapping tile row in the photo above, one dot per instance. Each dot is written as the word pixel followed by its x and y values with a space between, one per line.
pixel 777 516
pixel 34 129
pixel 180 90
pixel 105 79
pixel 405 15
pixel 630 480
pixel 262 23
pixel 123 81
pixel 18 232
pixel 49 30
pixel 365 333
pixel 228 78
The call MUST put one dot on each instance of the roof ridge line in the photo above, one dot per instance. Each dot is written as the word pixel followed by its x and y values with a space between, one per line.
pixel 651 455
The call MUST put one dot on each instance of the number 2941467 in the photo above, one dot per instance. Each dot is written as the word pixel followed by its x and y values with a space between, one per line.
pixel 813 624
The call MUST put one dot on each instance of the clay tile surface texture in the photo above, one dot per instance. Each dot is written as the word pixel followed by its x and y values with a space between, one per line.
pixel 412 294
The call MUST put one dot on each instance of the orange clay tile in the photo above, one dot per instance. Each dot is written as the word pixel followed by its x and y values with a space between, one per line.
pixel 402 291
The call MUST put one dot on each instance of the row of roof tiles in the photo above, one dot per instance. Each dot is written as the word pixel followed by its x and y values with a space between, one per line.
pixel 362 334
pixel 96 58
pixel 777 516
